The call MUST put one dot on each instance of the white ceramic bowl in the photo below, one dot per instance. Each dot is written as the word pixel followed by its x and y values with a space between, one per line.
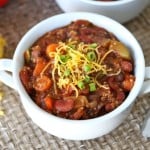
pixel 121 10
pixel 75 129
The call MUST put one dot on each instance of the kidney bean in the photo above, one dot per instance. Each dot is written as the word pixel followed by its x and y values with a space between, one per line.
pixel 126 66
pixel 25 75
pixel 109 106
pixel 112 83
pixel 120 77
pixel 64 105
pixel 93 97
pixel 120 96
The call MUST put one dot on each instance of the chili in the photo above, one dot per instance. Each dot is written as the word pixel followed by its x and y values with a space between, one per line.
pixel 79 71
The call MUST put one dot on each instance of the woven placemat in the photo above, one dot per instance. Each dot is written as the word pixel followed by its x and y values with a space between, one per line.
pixel 18 132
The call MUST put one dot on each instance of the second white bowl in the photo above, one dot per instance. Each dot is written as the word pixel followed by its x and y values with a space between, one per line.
pixel 121 10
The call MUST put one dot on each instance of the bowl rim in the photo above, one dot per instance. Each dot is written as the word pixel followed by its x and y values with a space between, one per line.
pixel 109 3
pixel 128 101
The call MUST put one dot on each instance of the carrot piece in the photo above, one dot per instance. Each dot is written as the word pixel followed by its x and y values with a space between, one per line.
pixel 42 83
pixel 48 103
pixel 51 48
pixel 41 63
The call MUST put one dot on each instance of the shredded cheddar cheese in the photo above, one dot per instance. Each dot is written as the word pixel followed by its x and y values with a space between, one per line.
pixel 74 61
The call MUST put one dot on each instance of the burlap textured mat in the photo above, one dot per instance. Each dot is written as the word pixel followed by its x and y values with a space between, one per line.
pixel 18 132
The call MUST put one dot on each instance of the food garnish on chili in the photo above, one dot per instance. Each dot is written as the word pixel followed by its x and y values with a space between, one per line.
pixel 79 71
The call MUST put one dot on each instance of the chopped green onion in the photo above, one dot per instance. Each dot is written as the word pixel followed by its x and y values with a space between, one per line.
pixel 87 68
pixel 93 45
pixel 67 72
pixel 64 58
pixel 87 79
pixel 92 87
pixel 91 56
pixel 81 85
